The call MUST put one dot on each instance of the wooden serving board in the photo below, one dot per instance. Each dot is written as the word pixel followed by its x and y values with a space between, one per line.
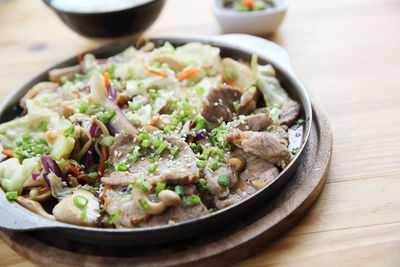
pixel 225 246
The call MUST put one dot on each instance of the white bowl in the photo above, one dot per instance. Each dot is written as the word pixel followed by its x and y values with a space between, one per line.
pixel 253 22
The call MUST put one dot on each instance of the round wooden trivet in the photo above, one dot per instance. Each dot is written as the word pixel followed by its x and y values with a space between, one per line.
pixel 231 244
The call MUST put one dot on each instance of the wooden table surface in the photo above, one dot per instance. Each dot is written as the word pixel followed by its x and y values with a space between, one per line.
pixel 347 53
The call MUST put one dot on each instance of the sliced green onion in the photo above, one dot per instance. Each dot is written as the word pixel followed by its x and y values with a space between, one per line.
pixel 271 128
pixel 144 136
pixel 214 164
pixel 114 216
pixel 83 106
pixel 111 70
pixel 146 143
pixel 203 184
pixel 300 121
pixel 153 158
pixel 80 201
pixel 235 104
pixel 201 163
pixel 160 187
pixel 224 180
pixel 275 113
pixel 174 150
pixel 106 116
pixel 191 201
pixel 156 141
pixel 41 127
pixel 12 195
pixel 27 138
pixel 143 204
pixel 152 168
pixel 122 166
pixel 107 140
pixel 92 175
pixel 69 131
pixel 228 72
pixel 161 148
pixel 199 90
pixel 179 190
pixel 64 79
pixel 145 186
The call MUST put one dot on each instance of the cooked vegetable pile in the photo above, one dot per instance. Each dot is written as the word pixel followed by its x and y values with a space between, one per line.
pixel 147 137
pixel 249 5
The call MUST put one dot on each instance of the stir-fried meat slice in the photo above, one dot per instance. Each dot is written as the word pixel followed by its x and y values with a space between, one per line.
pixel 257 174
pixel 248 101
pixel 130 213
pixel 258 122
pixel 180 169
pixel 290 111
pixel 122 147
pixel 218 105
pixel 262 144
pixel 280 133
pixel 220 191
pixel 177 214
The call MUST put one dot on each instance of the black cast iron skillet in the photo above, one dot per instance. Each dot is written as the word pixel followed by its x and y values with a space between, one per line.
pixel 238 46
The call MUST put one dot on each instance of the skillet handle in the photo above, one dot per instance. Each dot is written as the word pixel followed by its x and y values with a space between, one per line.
pixel 263 47
pixel 15 217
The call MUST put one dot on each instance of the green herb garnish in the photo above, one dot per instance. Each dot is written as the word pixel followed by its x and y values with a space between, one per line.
pixel 12 195
pixel 191 201
pixel 107 140
pixel 114 216
pixel 69 131
pixel 224 180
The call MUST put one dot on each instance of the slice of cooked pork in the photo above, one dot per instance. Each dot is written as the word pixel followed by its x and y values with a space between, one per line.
pixel 262 144
pixel 290 112
pixel 180 169
pixel 218 105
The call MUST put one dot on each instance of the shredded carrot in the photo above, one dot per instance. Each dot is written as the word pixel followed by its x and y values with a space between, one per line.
pixel 232 83
pixel 106 201
pixel 101 168
pixel 80 175
pixel 8 153
pixel 76 93
pixel 248 3
pixel 104 153
pixel 80 58
pixel 44 190
pixel 155 72
pixel 106 79
pixel 105 189
pixel 185 74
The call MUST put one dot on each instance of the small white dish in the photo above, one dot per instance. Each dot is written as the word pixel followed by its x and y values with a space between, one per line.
pixel 252 22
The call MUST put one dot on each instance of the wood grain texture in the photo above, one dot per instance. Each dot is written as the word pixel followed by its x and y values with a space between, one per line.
pixel 241 238
pixel 347 54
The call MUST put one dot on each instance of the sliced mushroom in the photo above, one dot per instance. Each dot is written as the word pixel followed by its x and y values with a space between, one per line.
pixel 34 206
pixel 34 91
pixel 242 74
pixel 56 74
pixel 67 210
pixel 42 197
pixel 166 197
pixel 173 63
